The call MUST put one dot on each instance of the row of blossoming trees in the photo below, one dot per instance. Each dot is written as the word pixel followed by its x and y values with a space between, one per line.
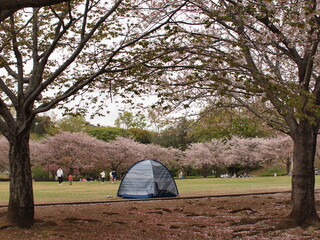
pixel 79 152
pixel 249 153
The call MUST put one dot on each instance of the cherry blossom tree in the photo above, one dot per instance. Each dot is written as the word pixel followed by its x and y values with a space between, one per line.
pixel 4 149
pixel 174 159
pixel 73 151
pixel 263 55
pixel 205 155
pixel 122 153
pixel 170 157
pixel 56 54
pixel 199 156
pixel 280 148
pixel 37 150
pixel 37 153
pixel 80 151
pixel 244 152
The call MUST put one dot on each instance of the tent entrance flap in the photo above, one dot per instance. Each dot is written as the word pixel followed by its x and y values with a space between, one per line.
pixel 147 179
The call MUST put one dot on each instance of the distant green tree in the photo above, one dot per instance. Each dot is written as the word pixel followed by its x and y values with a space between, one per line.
pixel 107 133
pixel 128 120
pixel 156 117
pixel 176 136
pixel 73 124
pixel 210 125
pixel 41 125
pixel 215 123
pixel 223 123
pixel 247 128
pixel 141 135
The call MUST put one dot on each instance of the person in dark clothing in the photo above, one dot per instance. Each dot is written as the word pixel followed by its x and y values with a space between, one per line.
pixel 114 175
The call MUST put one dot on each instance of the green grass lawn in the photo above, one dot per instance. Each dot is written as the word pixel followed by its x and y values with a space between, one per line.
pixel 51 192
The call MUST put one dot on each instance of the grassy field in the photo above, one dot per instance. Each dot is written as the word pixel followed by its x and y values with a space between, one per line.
pixel 51 192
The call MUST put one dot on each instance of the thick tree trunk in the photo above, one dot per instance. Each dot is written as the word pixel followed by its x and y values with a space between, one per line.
pixel 205 170
pixel 21 205
pixel 303 178
pixel 288 165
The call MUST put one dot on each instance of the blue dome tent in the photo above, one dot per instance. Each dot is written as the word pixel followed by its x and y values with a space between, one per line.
pixel 147 179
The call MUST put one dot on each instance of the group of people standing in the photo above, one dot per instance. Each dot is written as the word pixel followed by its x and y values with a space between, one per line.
pixel 60 176
pixel 112 175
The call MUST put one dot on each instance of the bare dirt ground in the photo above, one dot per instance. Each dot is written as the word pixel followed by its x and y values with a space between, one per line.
pixel 246 217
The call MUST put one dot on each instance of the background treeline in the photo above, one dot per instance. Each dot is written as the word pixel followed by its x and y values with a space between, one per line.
pixel 215 143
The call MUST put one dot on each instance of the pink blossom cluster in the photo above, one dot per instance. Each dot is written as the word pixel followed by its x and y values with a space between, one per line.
pixel 85 153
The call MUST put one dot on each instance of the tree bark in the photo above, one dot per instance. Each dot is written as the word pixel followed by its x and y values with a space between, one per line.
pixel 303 178
pixel 21 204
pixel 7 8
pixel 18 4
pixel 288 165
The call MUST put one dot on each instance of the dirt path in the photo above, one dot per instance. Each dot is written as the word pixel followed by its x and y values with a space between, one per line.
pixel 242 217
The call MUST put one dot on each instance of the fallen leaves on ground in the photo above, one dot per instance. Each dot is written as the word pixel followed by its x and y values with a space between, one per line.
pixel 247 217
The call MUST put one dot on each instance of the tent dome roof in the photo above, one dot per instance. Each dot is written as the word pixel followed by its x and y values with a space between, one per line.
pixel 147 179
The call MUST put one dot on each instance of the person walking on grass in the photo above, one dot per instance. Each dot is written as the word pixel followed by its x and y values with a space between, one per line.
pixel 114 176
pixel 111 177
pixel 70 178
pixel 60 175
pixel 103 176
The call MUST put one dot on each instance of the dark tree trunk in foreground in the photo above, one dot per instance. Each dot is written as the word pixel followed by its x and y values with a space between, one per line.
pixel 7 8
pixel 21 205
pixel 32 41
pixel 303 178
